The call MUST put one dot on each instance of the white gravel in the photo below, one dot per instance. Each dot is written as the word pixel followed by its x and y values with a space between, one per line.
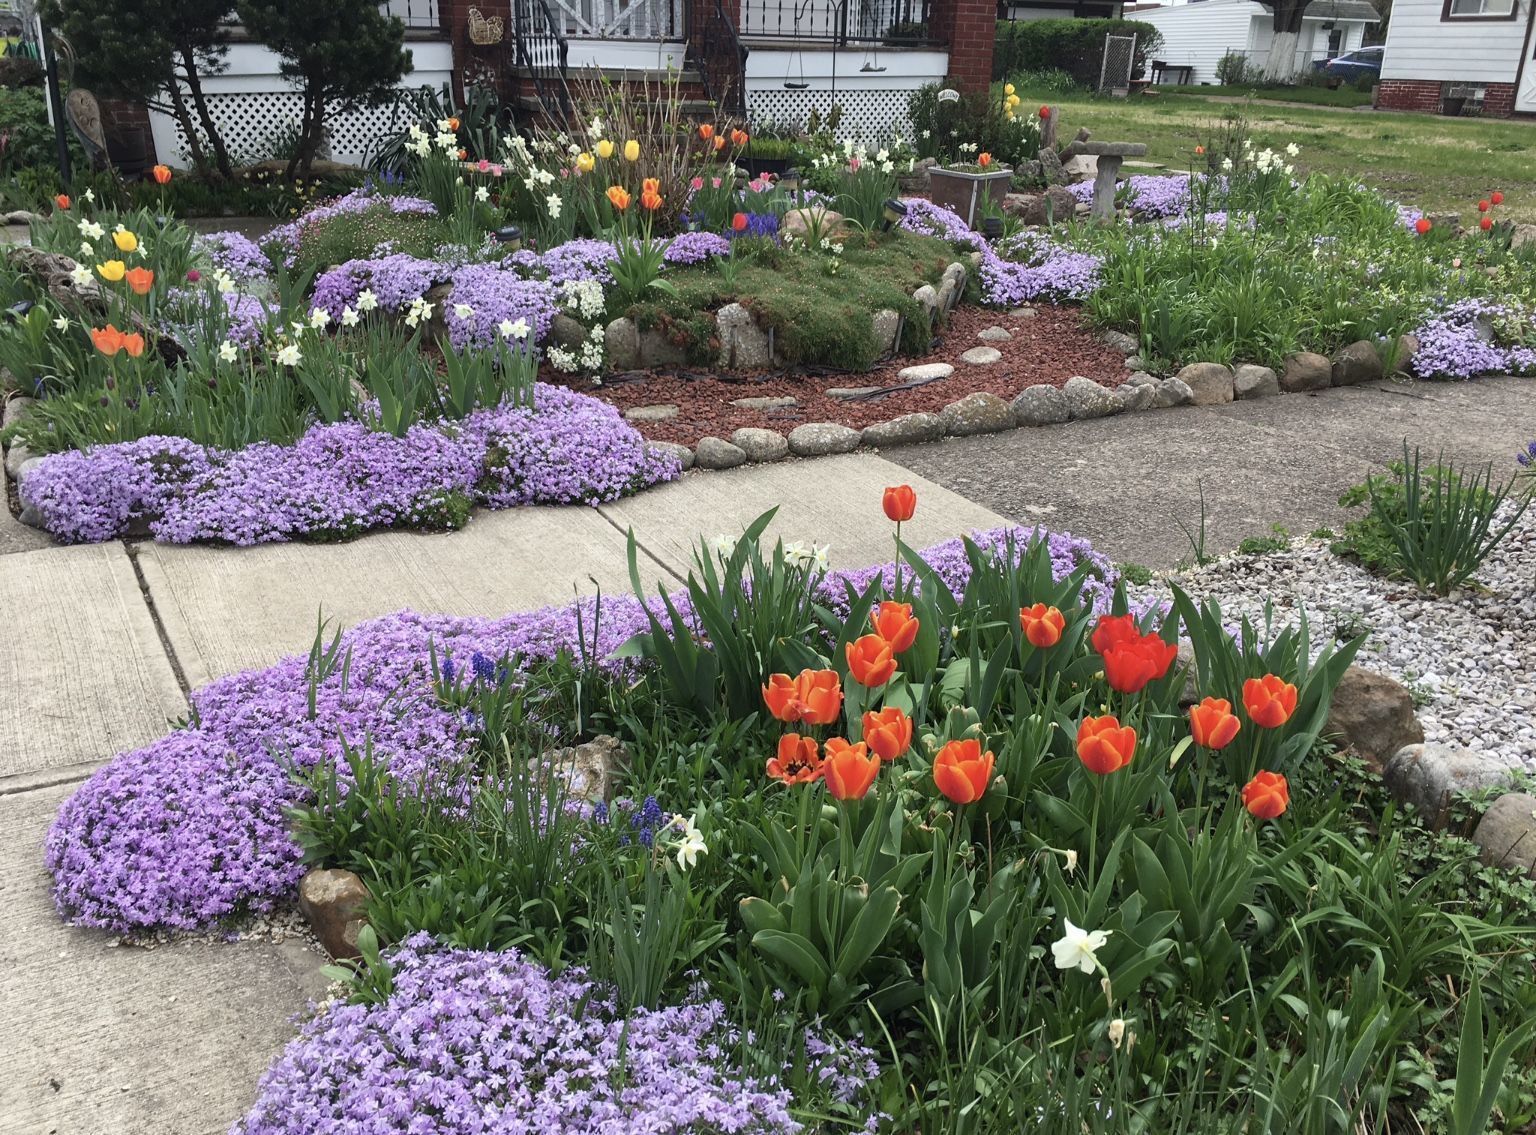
pixel 1469 659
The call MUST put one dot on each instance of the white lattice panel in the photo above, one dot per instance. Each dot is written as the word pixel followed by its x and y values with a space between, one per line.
pixel 251 121
pixel 868 115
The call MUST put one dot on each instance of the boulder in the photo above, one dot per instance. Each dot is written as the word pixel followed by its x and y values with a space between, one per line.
pixel 1081 167
pixel 951 286
pixel 927 298
pixel 1041 406
pixel 1173 392
pixel 1209 383
pixel 1373 715
pixel 621 344
pixel 905 430
pixel 978 413
pixel 1407 350
pixel 589 772
pixel 1025 312
pixel 15 457
pixel 852 393
pixel 1359 362
pixel 336 904
pixel 1053 175
pixel 566 332
pixel 1056 206
pixel 717 453
pixel 1137 396
pixel 1521 236
pixel 656 350
pixel 1428 776
pixel 801 221
pixel 760 445
pixel 1250 381
pixel 1506 835
pixel 683 454
pixel 659 412
pixel 16 409
pixel 982 356
pixel 1305 370
pixel 1141 378
pixel 1122 342
pixel 1087 399
pixel 925 372
pixel 760 404
pixel 818 439
pixel 886 324
pixel 743 344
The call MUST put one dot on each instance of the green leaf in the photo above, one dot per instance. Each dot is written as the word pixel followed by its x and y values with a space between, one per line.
pixel 796 954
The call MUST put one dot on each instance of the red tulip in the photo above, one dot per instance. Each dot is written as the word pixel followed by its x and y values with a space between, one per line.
pixel 1422 226
pixel 1113 629
pixel 1497 198
pixel 1104 745
pixel 961 770
pixel 1267 795
pixel 849 770
pixel 1042 625
pixel 739 223
pixel 1213 724
pixel 1129 666
pixel 899 502
pixel 1045 112
pixel 895 624
pixel 888 733
pixel 797 762
pixel 1485 223
pixel 1269 700
pixel 62 201
pixel 871 662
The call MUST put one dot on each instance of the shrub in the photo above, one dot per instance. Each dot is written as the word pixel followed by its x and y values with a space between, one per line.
pixel 1074 46
pixel 980 121
pixel 1232 69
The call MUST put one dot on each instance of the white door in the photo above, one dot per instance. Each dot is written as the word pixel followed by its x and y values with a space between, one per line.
pixel 1525 97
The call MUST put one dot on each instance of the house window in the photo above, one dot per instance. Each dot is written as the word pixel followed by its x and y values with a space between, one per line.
pixel 1478 10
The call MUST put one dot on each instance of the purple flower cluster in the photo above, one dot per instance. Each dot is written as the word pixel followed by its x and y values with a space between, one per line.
pixel 246 317
pixel 692 248
pixel 285 239
pixel 1029 265
pixel 395 280
pixel 471 1042
pixel 1150 196
pixel 1526 458
pixel 236 254
pixel 343 478
pixel 495 295
pixel 190 830
pixel 1463 341
pixel 583 259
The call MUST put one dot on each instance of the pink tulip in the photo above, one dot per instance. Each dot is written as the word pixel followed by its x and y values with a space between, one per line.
pixel 696 183
pixel 484 165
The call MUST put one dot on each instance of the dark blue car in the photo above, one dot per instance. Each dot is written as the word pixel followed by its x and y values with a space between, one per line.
pixel 1352 65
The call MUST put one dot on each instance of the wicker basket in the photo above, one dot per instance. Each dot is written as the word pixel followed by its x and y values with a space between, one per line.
pixel 484 32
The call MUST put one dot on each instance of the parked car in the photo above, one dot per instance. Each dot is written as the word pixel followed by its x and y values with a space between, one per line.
pixel 1352 65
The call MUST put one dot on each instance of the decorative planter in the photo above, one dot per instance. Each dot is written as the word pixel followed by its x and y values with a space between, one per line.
pixel 963 193
pixel 758 166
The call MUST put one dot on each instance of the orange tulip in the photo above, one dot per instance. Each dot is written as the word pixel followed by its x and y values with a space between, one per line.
pixel 888 733
pixel 1104 745
pixel 108 340
pixel 650 185
pixel 871 661
pixel 1042 625
pixel 895 624
pixel 1267 795
pixel 140 280
pixel 650 201
pixel 899 502
pixel 798 761
pixel 1199 149
pixel 1269 700
pixel 984 159
pixel 706 131
pixel 814 697
pixel 962 770
pixel 1129 666
pixel 133 344
pixel 62 201
pixel 720 143
pixel 161 174
pixel 738 137
pixel 453 122
pixel 619 196
pixel 1213 724
pixel 849 770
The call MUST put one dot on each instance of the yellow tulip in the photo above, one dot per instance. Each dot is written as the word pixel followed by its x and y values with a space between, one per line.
pixel 125 240
pixel 112 271
pixel 632 150
pixel 1008 90
pixel 605 149
pixel 585 162
pixel 1014 100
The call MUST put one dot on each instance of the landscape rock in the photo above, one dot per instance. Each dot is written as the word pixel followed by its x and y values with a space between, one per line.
pixel 851 393
pixel 1407 349
pixel 1025 312
pixel 951 286
pixel 978 413
pixel 1173 392
pixel 743 344
pixel 818 439
pixel 1056 206
pixel 925 372
pixel 1305 370
pixel 16 409
pixel 656 350
pixel 1120 341
pixel 1522 235
pixel 801 221
pixel 1359 362
pixel 590 772
pixel 1209 383
pixel 1429 775
pixel 779 403
pixel 1140 396
pixel 566 332
pixel 1088 399
pixel 659 412
pixel 927 298
pixel 1141 378
pixel 994 335
pixel 717 453
pixel 31 517
pixel 1250 381
pixel 760 445
pixel 1081 167
pixel 1053 173
pixel 683 454
pixel 1506 834
pixel 1373 714
pixel 336 904
pixel 1041 406
pixel 905 430
pixel 621 344
pixel 886 324
pixel 15 457
pixel 982 356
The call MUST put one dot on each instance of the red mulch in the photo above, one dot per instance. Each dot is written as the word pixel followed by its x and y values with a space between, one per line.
pixel 1050 348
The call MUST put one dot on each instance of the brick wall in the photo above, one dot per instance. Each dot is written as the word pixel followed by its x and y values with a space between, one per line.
pixel 124 119
pixel 479 64
pixel 1425 95
pixel 970 29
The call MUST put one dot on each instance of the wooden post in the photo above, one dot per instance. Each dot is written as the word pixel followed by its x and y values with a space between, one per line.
pixel 1104 186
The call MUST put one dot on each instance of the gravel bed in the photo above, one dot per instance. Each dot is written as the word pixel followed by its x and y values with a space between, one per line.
pixel 1469 659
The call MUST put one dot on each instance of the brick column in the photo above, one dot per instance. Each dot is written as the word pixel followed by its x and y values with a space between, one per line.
pixel 467 58
pixel 970 29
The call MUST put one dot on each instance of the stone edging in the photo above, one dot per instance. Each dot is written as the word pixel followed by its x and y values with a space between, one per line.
pixel 19 460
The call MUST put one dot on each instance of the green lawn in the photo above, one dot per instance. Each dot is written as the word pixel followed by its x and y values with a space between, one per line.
pixel 1436 164
pixel 1345 95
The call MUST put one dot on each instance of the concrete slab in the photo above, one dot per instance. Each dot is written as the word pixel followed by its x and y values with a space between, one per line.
pixel 18 537
pixel 83 669
pixel 125 1041
pixel 829 500
pixel 230 609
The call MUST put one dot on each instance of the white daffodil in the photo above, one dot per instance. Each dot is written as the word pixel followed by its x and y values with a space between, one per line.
pixel 514 329
pixel 1078 948
pixel 90 195
pixel 463 310
pixel 482 194
pixel 224 281
pixel 228 352
pixel 318 318
pixel 820 558
pixel 1117 1032
pixel 61 324
pixel 691 845
pixel 366 300
pixel 289 357
pixel 721 545
pixel 86 248
pixel 1226 165
pixel 92 230
pixel 447 141
pixel 80 274
pixel 1292 149
pixel 883 156
pixel 348 317
pixel 553 204
pixel 1071 860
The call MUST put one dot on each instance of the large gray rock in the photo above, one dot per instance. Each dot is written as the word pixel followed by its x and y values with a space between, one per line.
pixel 982 356
pixel 1087 399
pixel 589 772
pixel 683 454
pixel 743 344
pixel 1056 206
pixel 802 222
pixel 1209 383
pixel 16 409
pixel 1507 833
pixel 817 439
pixel 656 350
pixel 905 430
pixel 621 344
pixel 1373 715
pixel 927 298
pixel 1359 362
pixel 1120 341
pixel 659 412
pixel 566 332
pixel 1250 381
pixel 886 325
pixel 978 413
pixel 1521 236
pixel 925 372
pixel 1173 392
pixel 717 453
pixel 1305 370
pixel 1407 349
pixel 1141 378
pixel 760 445
pixel 1041 406
pixel 1138 396
pixel 1428 776
pixel 336 904
pixel 951 286
pixel 15 457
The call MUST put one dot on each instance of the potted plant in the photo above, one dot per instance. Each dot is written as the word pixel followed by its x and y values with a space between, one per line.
pixel 962 187
pixel 769 155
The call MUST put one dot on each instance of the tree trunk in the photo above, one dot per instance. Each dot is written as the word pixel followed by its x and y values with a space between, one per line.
pixel 1281 66
pixel 309 134
pixel 178 108
pixel 205 119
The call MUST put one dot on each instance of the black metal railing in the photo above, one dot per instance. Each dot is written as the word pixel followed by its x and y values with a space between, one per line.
pixel 415 14
pixel 716 52
pixel 541 50
pixel 896 23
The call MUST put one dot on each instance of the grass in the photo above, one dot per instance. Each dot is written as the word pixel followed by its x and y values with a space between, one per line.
pixel 1342 96
pixel 1433 163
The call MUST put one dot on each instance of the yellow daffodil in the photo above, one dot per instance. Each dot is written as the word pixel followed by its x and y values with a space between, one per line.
pixel 112 271
pixel 1008 89
pixel 125 240
pixel 632 151
pixel 585 162
pixel 605 149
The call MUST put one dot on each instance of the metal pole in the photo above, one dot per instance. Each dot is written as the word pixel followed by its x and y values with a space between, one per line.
pixel 55 103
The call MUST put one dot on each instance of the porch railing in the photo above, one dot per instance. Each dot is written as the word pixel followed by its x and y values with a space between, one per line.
pixel 620 19
pixel 415 14
pixel 541 48
pixel 892 22
pixel 716 52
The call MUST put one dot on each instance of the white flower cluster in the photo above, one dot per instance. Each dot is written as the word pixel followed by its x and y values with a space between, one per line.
pixel 420 142
pixel 798 554
pixel 589 357
pixel 584 297
pixel 1266 160
pixel 420 311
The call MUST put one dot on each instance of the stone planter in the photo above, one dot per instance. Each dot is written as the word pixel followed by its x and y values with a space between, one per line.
pixel 963 193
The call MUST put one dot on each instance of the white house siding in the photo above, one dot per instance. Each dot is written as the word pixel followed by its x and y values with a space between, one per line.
pixel 1311 44
pixel 1422 46
pixel 874 102
pixel 252 104
pixel 1198 35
